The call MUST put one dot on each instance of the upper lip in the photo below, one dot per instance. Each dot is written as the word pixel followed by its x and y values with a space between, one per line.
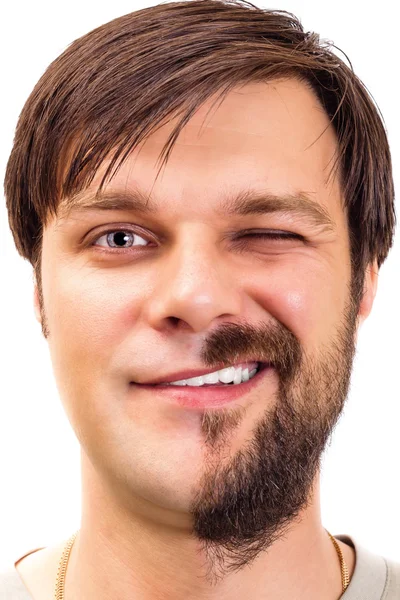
pixel 179 375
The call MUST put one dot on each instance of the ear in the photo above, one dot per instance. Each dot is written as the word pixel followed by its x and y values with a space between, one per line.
pixel 370 289
pixel 36 301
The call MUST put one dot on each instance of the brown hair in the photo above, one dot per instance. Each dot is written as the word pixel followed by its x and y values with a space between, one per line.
pixel 114 86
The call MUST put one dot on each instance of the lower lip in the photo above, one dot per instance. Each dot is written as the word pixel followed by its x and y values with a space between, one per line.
pixel 206 396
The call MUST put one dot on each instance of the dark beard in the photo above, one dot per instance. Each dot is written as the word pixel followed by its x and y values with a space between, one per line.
pixel 246 504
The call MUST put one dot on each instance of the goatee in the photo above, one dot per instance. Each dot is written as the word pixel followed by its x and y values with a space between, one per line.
pixel 247 502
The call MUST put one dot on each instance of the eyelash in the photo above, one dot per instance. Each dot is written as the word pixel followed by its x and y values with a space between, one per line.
pixel 273 235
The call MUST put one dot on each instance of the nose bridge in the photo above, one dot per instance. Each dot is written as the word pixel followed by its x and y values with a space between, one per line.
pixel 193 286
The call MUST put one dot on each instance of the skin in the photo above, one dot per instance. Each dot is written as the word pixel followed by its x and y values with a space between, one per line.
pixel 147 467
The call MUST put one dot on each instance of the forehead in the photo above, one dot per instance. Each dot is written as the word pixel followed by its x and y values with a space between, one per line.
pixel 272 137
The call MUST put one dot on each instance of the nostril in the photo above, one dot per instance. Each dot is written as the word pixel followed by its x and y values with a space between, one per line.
pixel 174 320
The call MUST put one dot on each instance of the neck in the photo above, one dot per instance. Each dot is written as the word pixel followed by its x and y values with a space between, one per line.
pixel 145 555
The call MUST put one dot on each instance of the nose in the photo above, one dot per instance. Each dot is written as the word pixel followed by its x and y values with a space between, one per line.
pixel 194 287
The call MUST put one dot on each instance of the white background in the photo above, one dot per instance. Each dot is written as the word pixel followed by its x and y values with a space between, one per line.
pixel 40 471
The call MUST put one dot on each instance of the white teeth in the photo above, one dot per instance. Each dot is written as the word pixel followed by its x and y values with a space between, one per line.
pixel 226 375
pixel 238 376
pixel 195 381
pixel 211 377
pixel 233 375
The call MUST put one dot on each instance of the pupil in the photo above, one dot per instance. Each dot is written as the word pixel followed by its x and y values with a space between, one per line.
pixel 120 237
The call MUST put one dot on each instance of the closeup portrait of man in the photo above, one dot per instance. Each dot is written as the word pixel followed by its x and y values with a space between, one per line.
pixel 204 191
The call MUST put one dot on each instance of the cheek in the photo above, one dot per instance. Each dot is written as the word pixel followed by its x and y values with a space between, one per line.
pixel 87 314
pixel 309 301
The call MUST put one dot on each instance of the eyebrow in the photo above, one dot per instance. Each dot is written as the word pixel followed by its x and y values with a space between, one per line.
pixel 248 202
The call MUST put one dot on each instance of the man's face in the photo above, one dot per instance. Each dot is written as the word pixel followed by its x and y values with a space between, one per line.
pixel 192 289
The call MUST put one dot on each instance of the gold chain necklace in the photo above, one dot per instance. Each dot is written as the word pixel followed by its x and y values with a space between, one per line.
pixel 62 568
pixel 343 567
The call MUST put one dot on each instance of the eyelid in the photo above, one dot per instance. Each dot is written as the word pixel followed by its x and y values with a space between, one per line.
pixel 271 233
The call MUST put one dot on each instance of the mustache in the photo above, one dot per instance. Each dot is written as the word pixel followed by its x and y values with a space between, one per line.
pixel 265 342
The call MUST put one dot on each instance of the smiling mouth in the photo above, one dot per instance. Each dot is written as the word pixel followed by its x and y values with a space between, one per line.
pixel 228 376
pixel 202 396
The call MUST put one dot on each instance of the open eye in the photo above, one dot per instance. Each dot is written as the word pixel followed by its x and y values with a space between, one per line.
pixel 120 238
